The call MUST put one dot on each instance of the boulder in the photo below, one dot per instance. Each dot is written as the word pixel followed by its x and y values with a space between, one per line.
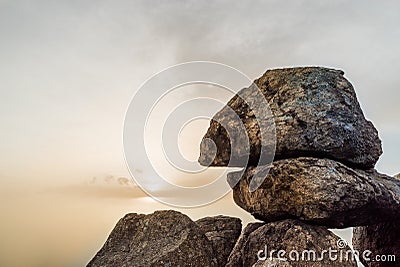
pixel 318 191
pixel 383 240
pixel 316 114
pixel 222 231
pixel 163 238
pixel 303 245
pixel 236 255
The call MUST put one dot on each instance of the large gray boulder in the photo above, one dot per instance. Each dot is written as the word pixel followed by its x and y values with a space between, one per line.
pixel 316 114
pixel 163 238
pixel 383 240
pixel 223 232
pixel 319 191
pixel 288 235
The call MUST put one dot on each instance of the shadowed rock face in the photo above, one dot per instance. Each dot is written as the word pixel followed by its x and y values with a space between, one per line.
pixel 236 255
pixel 163 238
pixel 319 191
pixel 223 232
pixel 380 239
pixel 285 235
pixel 316 114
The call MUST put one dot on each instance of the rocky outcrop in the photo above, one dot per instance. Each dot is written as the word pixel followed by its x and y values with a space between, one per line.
pixel 291 236
pixel 319 191
pixel 383 240
pixel 316 114
pixel 222 231
pixel 322 176
pixel 163 238
pixel 322 173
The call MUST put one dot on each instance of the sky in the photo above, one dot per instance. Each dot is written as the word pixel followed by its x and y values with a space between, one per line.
pixel 69 69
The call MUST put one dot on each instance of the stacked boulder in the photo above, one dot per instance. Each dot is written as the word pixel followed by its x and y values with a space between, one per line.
pixel 322 175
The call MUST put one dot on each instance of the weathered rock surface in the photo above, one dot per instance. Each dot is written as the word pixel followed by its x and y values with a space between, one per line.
pixel 222 231
pixel 272 263
pixel 316 114
pixel 286 235
pixel 163 238
pixel 236 253
pixel 381 239
pixel 319 191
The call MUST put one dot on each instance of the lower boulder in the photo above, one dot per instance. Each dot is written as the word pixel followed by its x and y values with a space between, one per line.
pixel 318 191
pixel 380 242
pixel 163 238
pixel 236 254
pixel 222 231
pixel 290 243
